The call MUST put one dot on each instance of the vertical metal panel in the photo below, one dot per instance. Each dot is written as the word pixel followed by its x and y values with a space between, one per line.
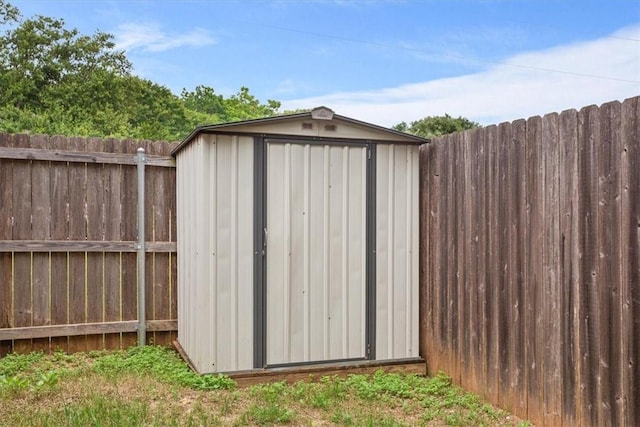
pixel 215 193
pixel 276 323
pixel 200 214
pixel 316 261
pixel 232 251
pixel 245 213
pixel 180 242
pixel 188 280
pixel 396 251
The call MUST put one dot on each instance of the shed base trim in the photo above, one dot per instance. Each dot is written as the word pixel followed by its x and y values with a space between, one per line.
pixel 183 354
pixel 315 372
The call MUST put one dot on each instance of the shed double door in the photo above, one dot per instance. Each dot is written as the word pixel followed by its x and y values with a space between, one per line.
pixel 316 200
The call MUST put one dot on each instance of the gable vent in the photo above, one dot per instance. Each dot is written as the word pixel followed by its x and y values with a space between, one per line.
pixel 330 128
pixel 307 126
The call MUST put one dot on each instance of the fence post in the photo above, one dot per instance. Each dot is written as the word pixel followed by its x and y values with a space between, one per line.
pixel 141 159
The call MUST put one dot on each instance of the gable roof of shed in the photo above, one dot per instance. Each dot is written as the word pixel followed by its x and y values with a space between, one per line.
pixel 291 125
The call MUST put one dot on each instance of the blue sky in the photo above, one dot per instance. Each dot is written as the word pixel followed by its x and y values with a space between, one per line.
pixel 380 61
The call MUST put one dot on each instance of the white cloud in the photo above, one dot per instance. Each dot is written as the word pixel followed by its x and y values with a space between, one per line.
pixel 289 86
pixel 150 37
pixel 524 85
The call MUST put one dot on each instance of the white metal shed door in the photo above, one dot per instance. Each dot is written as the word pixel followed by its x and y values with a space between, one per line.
pixel 316 252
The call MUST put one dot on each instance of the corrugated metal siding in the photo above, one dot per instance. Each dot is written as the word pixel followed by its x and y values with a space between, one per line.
pixel 396 251
pixel 316 197
pixel 187 259
pixel 215 281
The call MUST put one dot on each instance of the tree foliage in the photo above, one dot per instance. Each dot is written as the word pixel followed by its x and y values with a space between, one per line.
pixel 55 80
pixel 240 106
pixel 432 126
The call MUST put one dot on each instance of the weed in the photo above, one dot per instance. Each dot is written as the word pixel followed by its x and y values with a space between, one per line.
pixel 322 395
pixel 13 364
pixel 46 381
pixel 271 410
pixel 163 364
pixel 342 417
pixel 269 414
pixel 270 392
pixel 381 384
pixel 380 421
pixel 227 402
pixel 60 356
pixel 12 385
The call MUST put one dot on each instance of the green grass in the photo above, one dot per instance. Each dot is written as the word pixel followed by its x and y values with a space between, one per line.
pixel 161 363
pixel 152 386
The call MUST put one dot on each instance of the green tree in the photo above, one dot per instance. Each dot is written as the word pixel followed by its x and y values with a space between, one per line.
pixel 432 126
pixel 39 54
pixel 55 80
pixel 204 99
pixel 243 106
pixel 8 13
pixel 206 106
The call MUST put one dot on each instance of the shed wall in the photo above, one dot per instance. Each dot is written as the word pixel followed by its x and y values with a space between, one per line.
pixel 396 251
pixel 215 240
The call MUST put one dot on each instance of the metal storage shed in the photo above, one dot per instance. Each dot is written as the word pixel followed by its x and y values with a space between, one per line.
pixel 297 243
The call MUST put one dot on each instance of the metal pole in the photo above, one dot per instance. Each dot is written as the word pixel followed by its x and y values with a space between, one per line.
pixel 141 159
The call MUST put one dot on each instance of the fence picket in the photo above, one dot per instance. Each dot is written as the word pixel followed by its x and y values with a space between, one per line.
pixel 568 281
pixel 40 230
pixel 128 231
pixel 22 286
pixel 6 258
pixel 534 334
pixel 630 261
pixel 517 241
pixel 59 188
pixel 95 223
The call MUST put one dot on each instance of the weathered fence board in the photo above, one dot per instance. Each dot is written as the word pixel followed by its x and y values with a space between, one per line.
pixel 493 310
pixel 568 197
pixel 630 261
pixel 22 287
pixel 534 334
pixel 59 184
pixel 129 267
pixel 68 240
pixel 40 226
pixel 532 263
pixel 6 259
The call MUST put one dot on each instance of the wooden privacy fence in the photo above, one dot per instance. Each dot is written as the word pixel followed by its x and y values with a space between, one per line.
pixel 68 231
pixel 530 264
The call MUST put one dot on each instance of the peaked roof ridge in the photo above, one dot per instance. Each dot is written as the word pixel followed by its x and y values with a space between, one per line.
pixel 318 113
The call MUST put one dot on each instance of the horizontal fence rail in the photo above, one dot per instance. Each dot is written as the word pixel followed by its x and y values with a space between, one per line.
pixel 81 246
pixel 82 157
pixel 530 264
pixel 68 242
pixel 31 332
